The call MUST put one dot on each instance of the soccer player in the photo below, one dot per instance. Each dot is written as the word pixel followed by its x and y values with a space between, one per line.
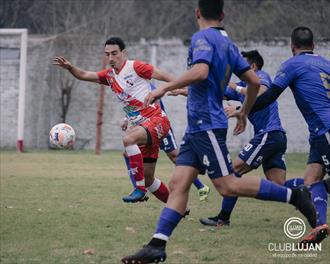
pixel 168 145
pixel 266 148
pixel 308 76
pixel 130 80
pixel 212 58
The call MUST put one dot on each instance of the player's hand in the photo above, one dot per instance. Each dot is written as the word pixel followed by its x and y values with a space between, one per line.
pixel 232 85
pixel 153 96
pixel 241 122
pixel 62 62
pixel 124 124
pixel 230 110
pixel 176 92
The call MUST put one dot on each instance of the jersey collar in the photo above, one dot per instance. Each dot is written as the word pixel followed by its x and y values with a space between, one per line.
pixel 119 70
pixel 306 52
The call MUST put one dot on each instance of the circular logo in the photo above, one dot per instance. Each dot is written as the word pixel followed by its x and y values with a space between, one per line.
pixel 294 228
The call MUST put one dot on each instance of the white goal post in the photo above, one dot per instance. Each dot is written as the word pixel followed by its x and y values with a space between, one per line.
pixel 22 82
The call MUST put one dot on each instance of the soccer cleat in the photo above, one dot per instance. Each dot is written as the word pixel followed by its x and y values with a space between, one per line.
pixel 186 213
pixel 136 196
pixel 316 235
pixel 214 221
pixel 148 254
pixel 204 193
pixel 304 204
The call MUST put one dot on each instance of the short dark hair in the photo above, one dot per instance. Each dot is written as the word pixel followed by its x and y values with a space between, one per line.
pixel 302 37
pixel 116 41
pixel 253 56
pixel 211 9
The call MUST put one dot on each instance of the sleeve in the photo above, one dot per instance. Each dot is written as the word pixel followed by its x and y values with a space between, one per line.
pixel 241 65
pixel 285 75
pixel 144 70
pixel 267 98
pixel 102 76
pixel 202 50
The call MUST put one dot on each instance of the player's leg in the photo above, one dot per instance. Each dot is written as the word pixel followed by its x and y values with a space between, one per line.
pixel 168 145
pixel 318 165
pixel 184 174
pixel 253 186
pixel 128 166
pixel 133 137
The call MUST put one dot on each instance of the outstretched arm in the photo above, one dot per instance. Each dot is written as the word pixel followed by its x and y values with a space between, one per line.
pixel 267 98
pixel 161 75
pixel 75 71
pixel 197 73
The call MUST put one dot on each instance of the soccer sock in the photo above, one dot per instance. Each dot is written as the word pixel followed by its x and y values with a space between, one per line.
pixel 273 192
pixel 136 164
pixel 159 189
pixel 227 206
pixel 167 222
pixel 130 174
pixel 294 183
pixel 320 201
pixel 198 184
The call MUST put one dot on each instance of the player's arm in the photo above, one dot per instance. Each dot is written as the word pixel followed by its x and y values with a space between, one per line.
pixel 180 91
pixel 161 75
pixel 75 71
pixel 243 90
pixel 253 85
pixel 267 98
pixel 198 72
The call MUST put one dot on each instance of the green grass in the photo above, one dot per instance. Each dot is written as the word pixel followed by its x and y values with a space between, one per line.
pixel 56 204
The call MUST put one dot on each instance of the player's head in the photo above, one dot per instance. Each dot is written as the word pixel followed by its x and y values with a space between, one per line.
pixel 210 10
pixel 254 58
pixel 301 39
pixel 115 52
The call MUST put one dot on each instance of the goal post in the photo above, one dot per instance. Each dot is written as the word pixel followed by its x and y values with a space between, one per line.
pixel 22 82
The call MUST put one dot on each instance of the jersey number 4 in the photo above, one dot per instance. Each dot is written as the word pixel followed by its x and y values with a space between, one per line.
pixel 326 82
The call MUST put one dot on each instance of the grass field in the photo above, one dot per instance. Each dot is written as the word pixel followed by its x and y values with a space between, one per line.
pixel 65 207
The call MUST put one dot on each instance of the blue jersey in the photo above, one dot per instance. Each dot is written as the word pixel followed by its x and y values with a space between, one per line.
pixel 308 76
pixel 265 120
pixel 204 104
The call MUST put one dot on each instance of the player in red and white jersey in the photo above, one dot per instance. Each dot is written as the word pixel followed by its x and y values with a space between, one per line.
pixel 130 80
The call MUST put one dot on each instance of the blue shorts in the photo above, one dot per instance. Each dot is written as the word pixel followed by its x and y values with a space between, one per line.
pixel 320 151
pixel 207 152
pixel 168 143
pixel 267 149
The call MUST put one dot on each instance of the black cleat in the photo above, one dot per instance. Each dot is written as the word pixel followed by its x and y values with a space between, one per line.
pixel 136 196
pixel 214 221
pixel 304 204
pixel 186 213
pixel 316 235
pixel 148 254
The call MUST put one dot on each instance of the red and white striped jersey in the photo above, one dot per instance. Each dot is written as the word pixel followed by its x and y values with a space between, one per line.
pixel 131 85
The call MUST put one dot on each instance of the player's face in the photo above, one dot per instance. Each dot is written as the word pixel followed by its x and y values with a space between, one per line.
pixel 115 56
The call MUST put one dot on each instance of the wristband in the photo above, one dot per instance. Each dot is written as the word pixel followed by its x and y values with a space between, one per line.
pixel 238 89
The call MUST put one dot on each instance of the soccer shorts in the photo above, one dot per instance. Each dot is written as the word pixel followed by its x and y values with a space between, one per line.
pixel 207 152
pixel 157 128
pixel 267 149
pixel 168 143
pixel 320 151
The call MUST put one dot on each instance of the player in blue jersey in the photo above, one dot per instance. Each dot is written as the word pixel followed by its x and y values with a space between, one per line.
pixel 308 76
pixel 212 59
pixel 168 145
pixel 266 148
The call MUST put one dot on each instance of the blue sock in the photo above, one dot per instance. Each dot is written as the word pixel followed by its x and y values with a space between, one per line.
pixel 198 184
pixel 167 222
pixel 320 201
pixel 294 183
pixel 272 191
pixel 131 176
pixel 228 203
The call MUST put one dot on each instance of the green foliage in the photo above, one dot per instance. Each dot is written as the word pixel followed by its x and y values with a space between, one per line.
pixel 56 205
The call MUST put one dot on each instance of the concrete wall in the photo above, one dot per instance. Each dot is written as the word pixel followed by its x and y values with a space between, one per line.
pixel 43 106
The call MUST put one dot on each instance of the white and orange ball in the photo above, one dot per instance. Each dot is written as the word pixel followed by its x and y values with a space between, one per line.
pixel 62 136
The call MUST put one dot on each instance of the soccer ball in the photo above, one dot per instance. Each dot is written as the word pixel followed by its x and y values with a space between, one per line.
pixel 62 136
